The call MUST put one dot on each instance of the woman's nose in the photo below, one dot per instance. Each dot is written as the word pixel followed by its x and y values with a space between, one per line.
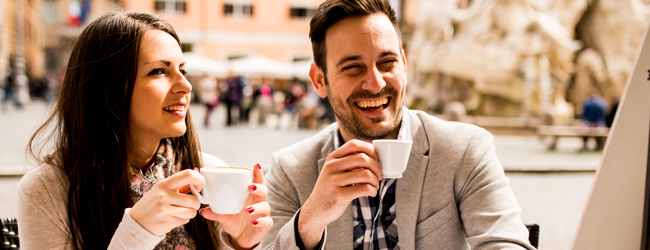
pixel 182 85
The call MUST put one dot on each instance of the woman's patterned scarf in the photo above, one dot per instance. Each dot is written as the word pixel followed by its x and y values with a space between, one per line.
pixel 163 167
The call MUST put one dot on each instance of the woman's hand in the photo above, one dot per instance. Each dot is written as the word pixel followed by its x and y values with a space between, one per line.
pixel 248 227
pixel 168 204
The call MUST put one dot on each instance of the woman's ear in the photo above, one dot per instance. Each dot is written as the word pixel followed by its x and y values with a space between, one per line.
pixel 317 77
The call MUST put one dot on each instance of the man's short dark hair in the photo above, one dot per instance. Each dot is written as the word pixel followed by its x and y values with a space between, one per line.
pixel 332 11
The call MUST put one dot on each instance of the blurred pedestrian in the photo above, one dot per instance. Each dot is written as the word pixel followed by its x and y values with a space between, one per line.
pixel 10 90
pixel 38 87
pixel 252 93
pixel 209 96
pixel 593 117
pixel 293 102
pixel 233 96
pixel 265 104
pixel 310 110
pixel 53 87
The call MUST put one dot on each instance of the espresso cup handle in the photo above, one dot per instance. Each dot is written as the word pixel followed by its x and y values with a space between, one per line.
pixel 202 199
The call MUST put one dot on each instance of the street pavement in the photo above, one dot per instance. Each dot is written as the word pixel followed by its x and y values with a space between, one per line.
pixel 551 187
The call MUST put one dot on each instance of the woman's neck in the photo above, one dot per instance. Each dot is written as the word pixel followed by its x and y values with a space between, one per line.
pixel 144 151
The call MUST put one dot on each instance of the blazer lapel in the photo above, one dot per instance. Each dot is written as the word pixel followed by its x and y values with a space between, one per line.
pixel 409 187
pixel 339 232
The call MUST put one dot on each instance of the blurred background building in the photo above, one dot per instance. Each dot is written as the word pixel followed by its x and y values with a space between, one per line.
pixel 220 30
pixel 517 58
pixel 21 42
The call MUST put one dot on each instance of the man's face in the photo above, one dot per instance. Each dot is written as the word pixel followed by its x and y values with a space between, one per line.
pixel 366 77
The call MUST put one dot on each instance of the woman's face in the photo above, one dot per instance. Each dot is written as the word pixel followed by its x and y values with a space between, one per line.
pixel 161 94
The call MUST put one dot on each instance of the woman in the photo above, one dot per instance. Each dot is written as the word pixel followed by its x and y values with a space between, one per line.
pixel 125 152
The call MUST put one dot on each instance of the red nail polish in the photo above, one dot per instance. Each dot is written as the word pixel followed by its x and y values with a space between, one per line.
pixel 201 211
pixel 250 210
pixel 253 187
pixel 255 222
pixel 258 166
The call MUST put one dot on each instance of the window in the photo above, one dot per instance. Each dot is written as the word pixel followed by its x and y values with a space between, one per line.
pixel 186 47
pixel 301 12
pixel 238 9
pixel 170 7
pixel 236 56
pixel 302 58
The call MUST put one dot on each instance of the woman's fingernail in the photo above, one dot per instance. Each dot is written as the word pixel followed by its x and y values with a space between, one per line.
pixel 253 187
pixel 250 210
pixel 258 166
pixel 201 211
pixel 255 222
pixel 196 169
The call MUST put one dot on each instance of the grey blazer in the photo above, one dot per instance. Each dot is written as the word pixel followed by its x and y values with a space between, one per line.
pixel 453 194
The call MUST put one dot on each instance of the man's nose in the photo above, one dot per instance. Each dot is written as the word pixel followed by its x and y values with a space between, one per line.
pixel 374 81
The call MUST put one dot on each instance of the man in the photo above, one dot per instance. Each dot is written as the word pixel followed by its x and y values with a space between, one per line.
pixel 10 90
pixel 594 118
pixel 328 191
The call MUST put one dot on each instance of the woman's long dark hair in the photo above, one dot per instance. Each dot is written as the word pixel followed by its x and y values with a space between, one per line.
pixel 88 131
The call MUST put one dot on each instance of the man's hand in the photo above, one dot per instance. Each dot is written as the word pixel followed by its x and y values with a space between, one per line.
pixel 350 172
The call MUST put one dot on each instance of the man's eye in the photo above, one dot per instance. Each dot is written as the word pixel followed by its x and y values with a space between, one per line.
pixel 387 65
pixel 157 71
pixel 353 69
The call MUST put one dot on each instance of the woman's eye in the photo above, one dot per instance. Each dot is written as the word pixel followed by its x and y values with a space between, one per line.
pixel 157 71
pixel 184 72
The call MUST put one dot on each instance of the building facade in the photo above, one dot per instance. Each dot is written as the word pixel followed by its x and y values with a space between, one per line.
pixel 230 29
pixel 63 21
pixel 21 42
pixel 218 29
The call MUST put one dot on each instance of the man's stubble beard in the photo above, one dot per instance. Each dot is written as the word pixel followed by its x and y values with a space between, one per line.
pixel 354 123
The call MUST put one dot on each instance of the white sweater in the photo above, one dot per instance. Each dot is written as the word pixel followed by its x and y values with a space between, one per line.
pixel 43 216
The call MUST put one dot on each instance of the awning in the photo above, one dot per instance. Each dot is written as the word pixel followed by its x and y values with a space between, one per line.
pixel 198 65
pixel 254 65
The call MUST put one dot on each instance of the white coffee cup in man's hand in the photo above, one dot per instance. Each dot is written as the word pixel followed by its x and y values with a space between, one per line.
pixel 393 156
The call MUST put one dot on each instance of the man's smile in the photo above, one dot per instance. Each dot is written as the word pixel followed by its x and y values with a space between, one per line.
pixel 373 104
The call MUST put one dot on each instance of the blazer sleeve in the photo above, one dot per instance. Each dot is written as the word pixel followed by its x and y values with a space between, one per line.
pixel 285 205
pixel 488 207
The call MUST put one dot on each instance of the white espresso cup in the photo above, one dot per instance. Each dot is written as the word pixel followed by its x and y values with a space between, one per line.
pixel 393 156
pixel 225 189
